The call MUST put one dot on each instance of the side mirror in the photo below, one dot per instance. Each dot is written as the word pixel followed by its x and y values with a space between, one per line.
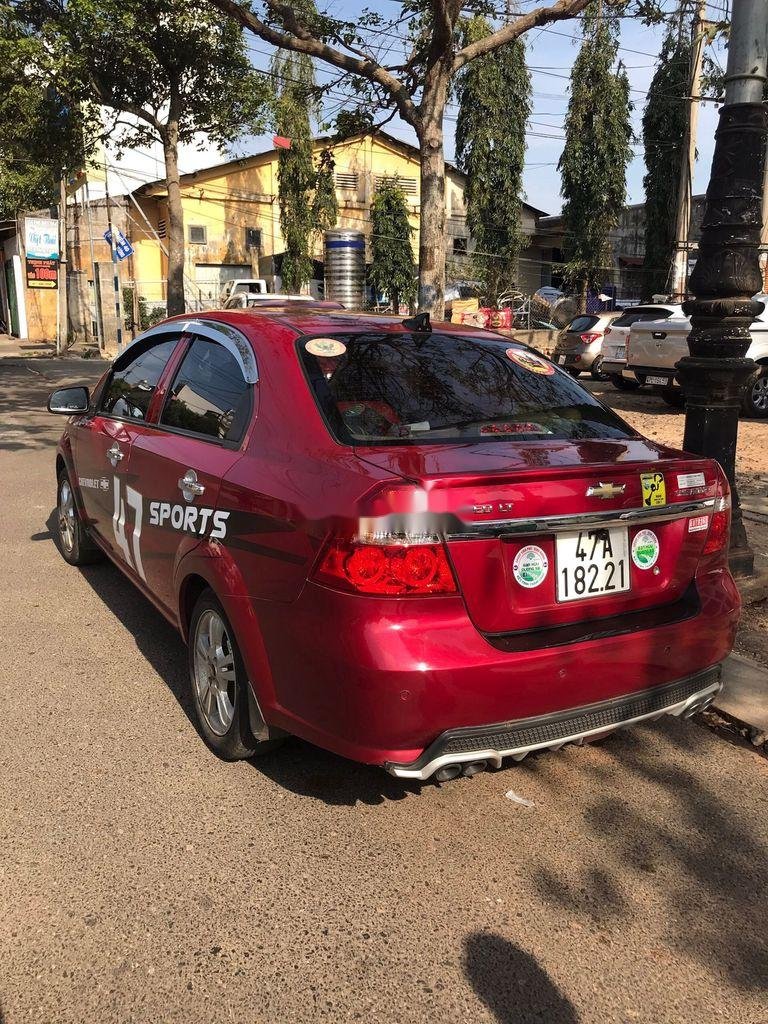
pixel 69 401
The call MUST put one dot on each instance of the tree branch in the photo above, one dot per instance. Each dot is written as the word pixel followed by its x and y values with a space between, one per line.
pixel 128 108
pixel 299 39
pixel 538 16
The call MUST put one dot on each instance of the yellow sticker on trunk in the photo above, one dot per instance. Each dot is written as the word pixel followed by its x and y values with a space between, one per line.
pixel 654 491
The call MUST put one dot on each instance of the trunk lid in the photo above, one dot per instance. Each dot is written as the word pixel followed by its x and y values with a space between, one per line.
pixel 658 344
pixel 486 492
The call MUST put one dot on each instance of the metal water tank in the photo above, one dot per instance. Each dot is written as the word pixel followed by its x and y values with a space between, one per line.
pixel 345 268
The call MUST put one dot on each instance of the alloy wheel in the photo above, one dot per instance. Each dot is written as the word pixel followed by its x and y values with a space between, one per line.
pixel 67 517
pixel 760 393
pixel 214 669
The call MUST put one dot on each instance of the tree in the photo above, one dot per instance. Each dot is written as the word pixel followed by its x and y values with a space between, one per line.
pixel 325 205
pixel 490 150
pixel 392 270
pixel 42 137
pixel 597 150
pixel 664 124
pixel 417 88
pixel 173 65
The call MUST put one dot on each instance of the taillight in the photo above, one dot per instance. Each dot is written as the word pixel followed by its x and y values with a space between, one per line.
pixel 398 570
pixel 720 521
pixel 607 331
pixel 589 337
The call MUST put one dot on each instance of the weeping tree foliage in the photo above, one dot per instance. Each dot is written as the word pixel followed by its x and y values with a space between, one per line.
pixel 664 123
pixel 597 150
pixel 490 150
pixel 306 194
pixel 392 268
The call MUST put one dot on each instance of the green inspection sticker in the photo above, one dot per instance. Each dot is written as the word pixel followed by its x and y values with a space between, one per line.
pixel 645 549
pixel 530 566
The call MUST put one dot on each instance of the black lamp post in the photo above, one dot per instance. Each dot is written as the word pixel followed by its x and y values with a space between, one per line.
pixel 727 273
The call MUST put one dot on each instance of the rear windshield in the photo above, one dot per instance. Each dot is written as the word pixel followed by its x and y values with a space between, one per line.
pixel 582 323
pixel 632 316
pixel 385 389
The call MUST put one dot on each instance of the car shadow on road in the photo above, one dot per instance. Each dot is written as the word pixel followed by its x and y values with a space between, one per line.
pixel 512 984
pixel 297 766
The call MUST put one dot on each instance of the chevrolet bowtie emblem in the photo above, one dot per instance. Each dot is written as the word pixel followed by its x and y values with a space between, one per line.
pixel 606 490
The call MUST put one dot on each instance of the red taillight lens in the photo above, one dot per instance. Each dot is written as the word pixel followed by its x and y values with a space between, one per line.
pixel 589 337
pixel 395 569
pixel 719 533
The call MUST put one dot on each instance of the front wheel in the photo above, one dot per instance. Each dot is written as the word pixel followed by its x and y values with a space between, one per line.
pixel 75 544
pixel 755 400
pixel 674 398
pixel 218 682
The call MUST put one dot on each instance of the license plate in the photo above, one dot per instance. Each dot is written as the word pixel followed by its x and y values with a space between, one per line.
pixel 662 381
pixel 592 563
pixel 620 352
pixel 561 360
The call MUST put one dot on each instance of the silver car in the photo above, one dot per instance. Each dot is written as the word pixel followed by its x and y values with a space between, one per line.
pixel 579 347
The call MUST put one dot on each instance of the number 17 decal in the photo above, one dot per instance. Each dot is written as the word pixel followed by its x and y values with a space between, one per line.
pixel 133 500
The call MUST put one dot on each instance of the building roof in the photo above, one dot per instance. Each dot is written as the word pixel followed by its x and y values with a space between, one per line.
pixel 215 170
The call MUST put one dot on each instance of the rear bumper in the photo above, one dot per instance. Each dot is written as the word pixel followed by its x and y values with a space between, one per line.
pixel 492 743
pixel 643 372
pixel 613 368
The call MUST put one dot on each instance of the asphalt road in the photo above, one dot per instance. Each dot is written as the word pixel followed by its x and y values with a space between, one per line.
pixel 142 880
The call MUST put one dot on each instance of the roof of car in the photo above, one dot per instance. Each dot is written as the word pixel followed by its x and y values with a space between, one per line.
pixel 311 320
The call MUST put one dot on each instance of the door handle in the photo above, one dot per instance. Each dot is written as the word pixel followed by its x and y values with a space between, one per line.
pixel 115 454
pixel 189 486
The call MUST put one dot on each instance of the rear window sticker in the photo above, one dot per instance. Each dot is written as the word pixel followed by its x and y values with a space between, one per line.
pixel 654 490
pixel 325 347
pixel 529 361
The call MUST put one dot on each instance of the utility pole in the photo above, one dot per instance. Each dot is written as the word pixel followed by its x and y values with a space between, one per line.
pixel 727 273
pixel 688 156
pixel 115 266
pixel 62 334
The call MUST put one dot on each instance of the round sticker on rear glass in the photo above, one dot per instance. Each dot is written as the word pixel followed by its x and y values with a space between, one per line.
pixel 530 361
pixel 645 549
pixel 530 566
pixel 325 347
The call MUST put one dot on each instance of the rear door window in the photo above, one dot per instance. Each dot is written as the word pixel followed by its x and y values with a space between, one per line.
pixel 209 395
pixel 135 375
pixel 384 389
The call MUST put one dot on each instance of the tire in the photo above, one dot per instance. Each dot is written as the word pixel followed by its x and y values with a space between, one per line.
pixel 597 370
pixel 675 399
pixel 622 384
pixel 218 684
pixel 755 400
pixel 74 543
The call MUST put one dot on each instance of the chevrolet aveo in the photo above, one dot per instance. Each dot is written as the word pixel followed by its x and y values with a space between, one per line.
pixel 419 546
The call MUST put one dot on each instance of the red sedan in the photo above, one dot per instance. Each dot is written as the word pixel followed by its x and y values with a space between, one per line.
pixel 423 547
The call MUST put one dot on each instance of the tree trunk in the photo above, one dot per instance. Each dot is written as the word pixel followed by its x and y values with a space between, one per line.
pixel 432 198
pixel 176 302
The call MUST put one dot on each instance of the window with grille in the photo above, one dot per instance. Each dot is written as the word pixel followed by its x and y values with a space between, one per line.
pixel 253 238
pixel 198 234
pixel 459 247
pixel 347 179
pixel 409 185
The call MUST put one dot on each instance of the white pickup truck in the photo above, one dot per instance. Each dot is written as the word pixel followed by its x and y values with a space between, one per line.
pixel 654 347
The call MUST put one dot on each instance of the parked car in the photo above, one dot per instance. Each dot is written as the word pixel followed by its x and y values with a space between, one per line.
pixel 655 348
pixel 579 347
pixel 249 285
pixel 426 548
pixel 549 293
pixel 616 335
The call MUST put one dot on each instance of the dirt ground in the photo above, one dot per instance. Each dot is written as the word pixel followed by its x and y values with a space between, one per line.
pixel 647 413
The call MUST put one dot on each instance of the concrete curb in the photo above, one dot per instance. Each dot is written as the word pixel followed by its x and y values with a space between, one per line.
pixel 744 698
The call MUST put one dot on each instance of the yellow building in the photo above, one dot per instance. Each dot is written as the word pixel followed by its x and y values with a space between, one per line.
pixel 232 224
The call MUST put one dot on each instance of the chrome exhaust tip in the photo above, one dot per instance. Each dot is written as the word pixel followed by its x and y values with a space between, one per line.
pixel 447 772
pixel 474 768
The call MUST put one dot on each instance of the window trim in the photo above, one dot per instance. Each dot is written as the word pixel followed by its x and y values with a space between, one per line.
pixel 223 442
pixel 215 330
pixel 193 241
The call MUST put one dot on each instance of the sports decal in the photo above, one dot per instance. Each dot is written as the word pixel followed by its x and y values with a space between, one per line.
pixel 645 549
pixel 162 514
pixel 530 361
pixel 530 566
pixel 325 347
pixel 654 490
